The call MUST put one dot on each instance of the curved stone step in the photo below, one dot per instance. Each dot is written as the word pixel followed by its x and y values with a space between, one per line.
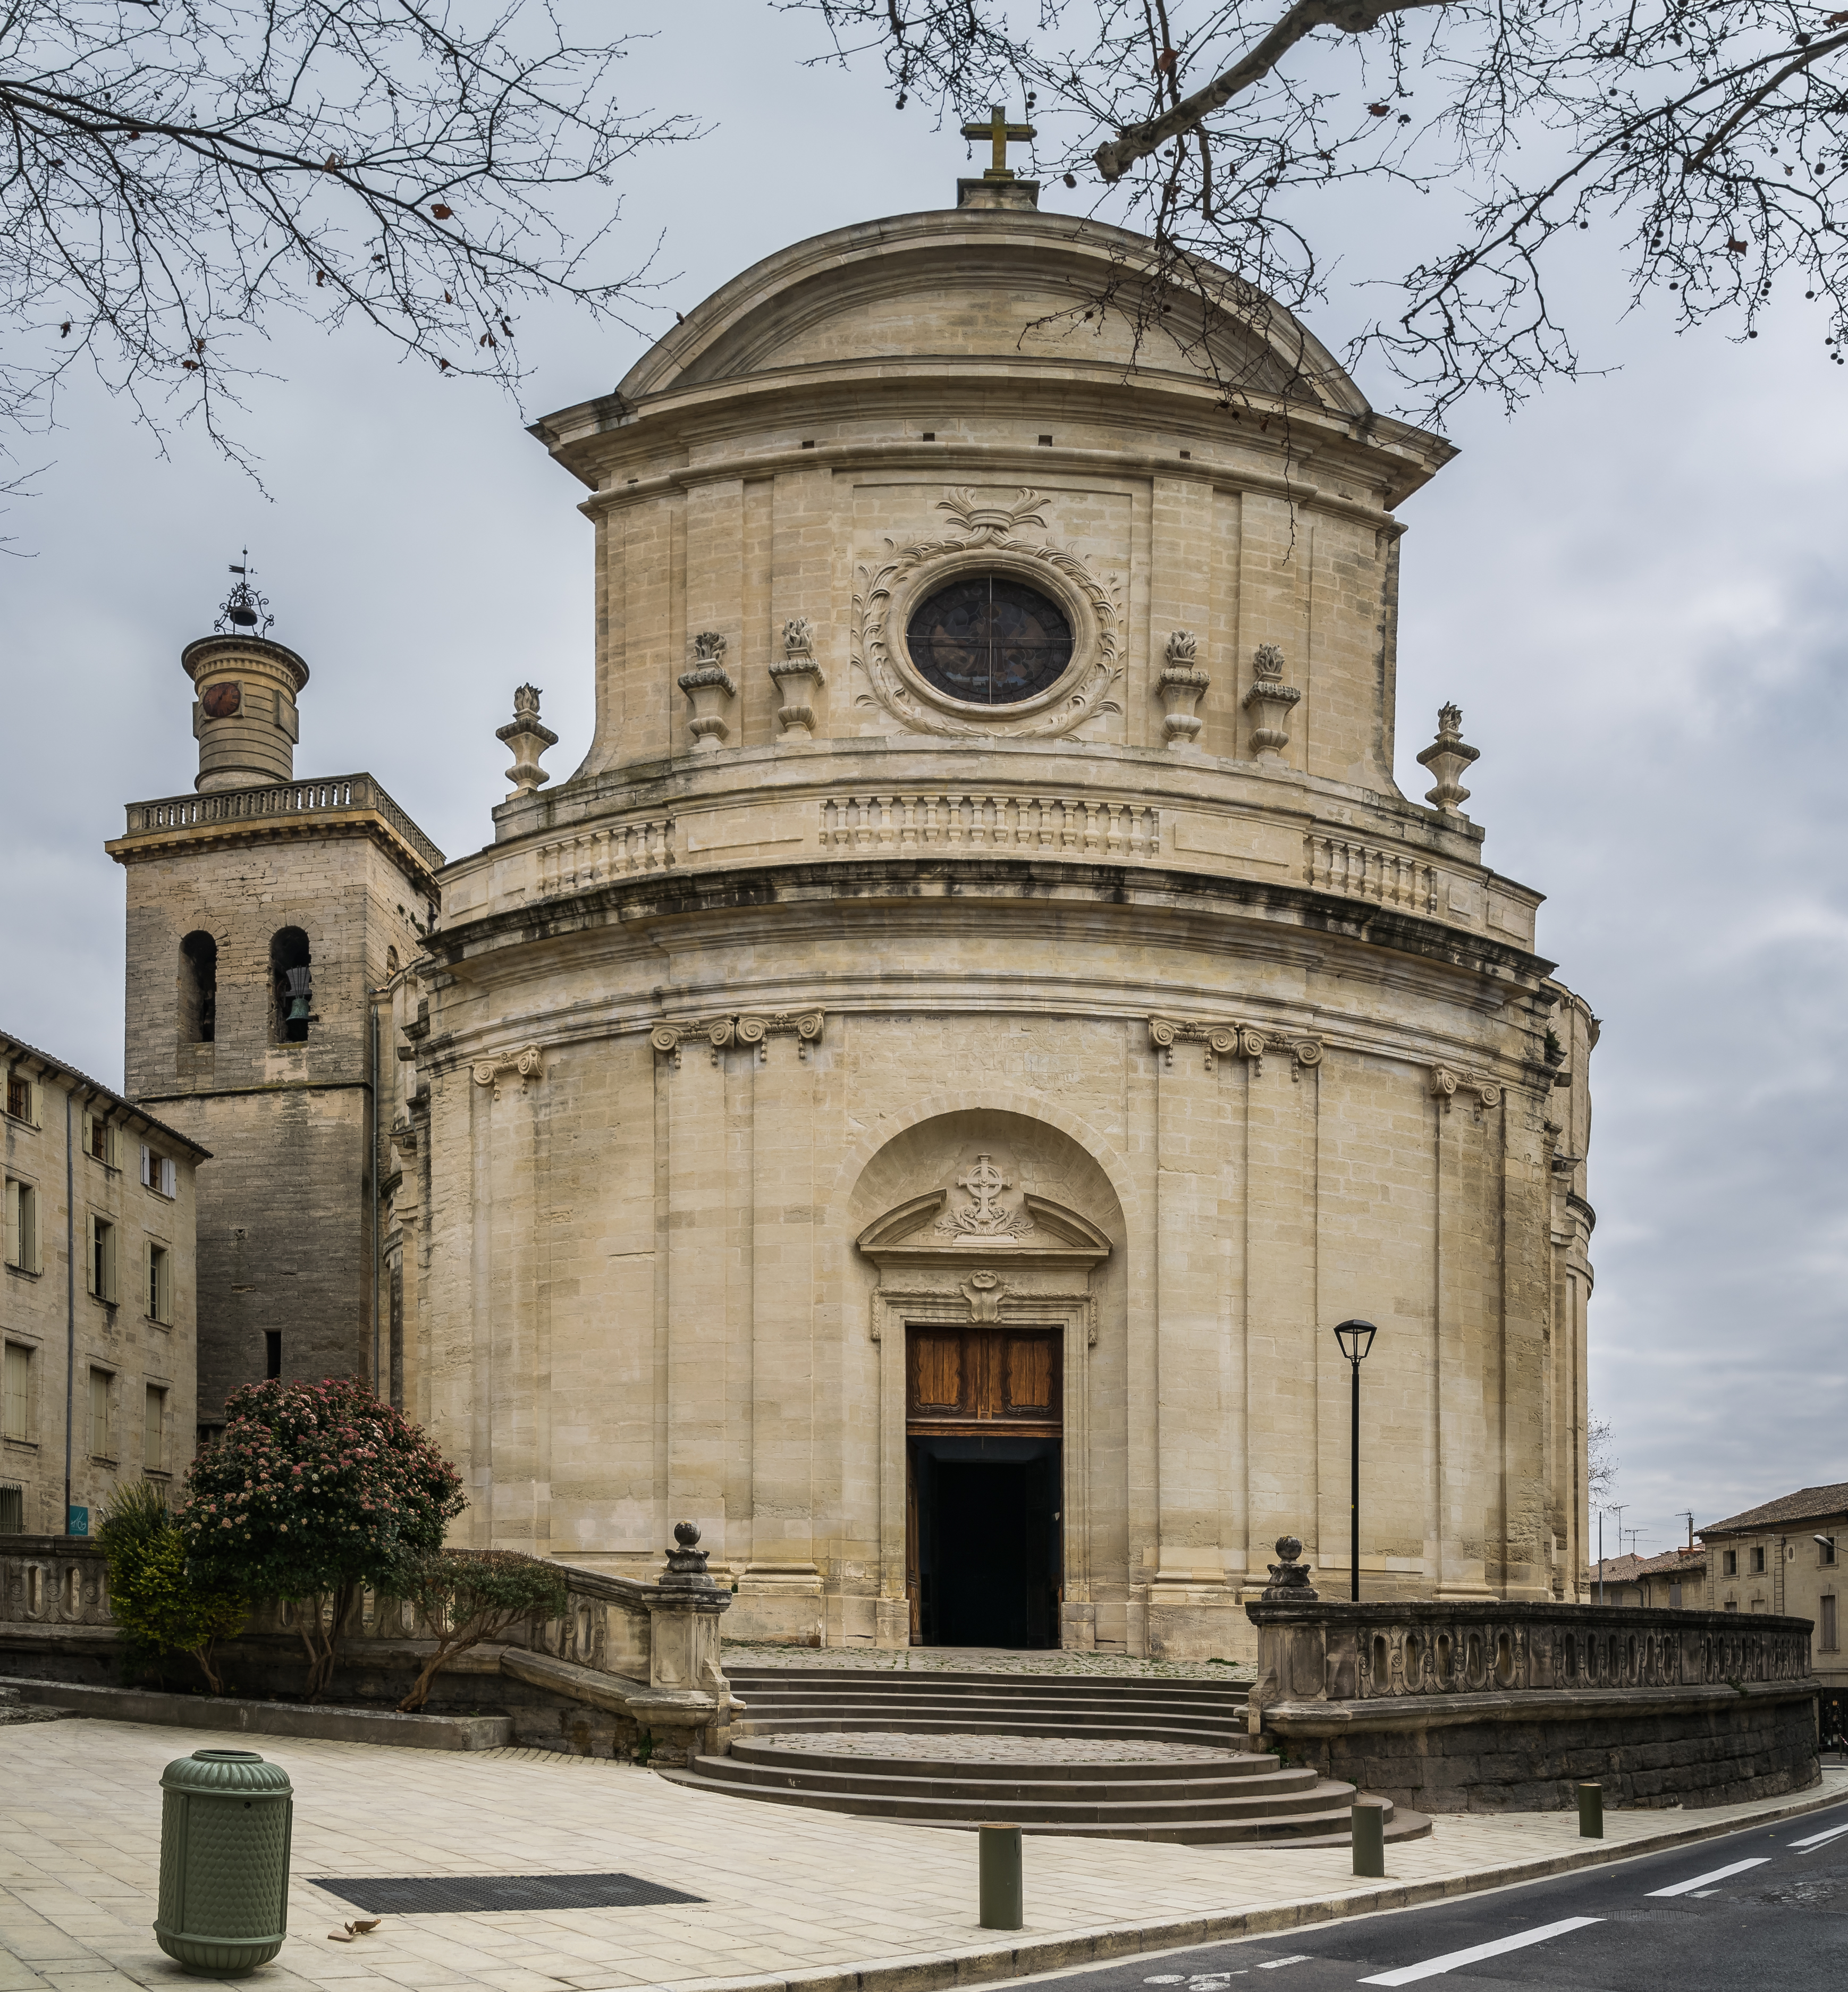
pixel 774 1723
pixel 1237 1765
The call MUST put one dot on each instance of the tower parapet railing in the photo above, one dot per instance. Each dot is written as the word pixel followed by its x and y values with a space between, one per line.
pixel 323 796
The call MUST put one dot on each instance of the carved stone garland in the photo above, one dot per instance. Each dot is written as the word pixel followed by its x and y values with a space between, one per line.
pixel 748 1028
pixel 996 527
pixel 1244 1040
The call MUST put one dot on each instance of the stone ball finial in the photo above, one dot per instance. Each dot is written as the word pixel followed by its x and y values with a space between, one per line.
pixel 685 1534
pixel 1289 1548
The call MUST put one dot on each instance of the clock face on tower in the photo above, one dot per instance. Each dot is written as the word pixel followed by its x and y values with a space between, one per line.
pixel 990 641
pixel 222 701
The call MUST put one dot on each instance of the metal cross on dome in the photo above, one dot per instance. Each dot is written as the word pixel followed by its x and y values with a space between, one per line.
pixel 1000 133
pixel 985 1182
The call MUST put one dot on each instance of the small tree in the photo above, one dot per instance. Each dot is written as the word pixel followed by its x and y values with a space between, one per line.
pixel 157 1604
pixel 312 1490
pixel 467 1596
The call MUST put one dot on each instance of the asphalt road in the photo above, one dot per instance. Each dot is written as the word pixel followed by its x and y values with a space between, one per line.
pixel 1755 1909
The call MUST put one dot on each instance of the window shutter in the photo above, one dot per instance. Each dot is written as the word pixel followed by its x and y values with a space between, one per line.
pixel 169 1177
pixel 91 1259
pixel 147 1165
pixel 109 1286
pixel 16 1244
pixel 112 1141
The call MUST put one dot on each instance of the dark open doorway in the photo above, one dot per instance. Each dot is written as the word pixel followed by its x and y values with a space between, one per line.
pixel 987 1515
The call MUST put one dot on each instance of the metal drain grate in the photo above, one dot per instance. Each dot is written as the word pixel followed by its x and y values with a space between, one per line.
pixel 456 1894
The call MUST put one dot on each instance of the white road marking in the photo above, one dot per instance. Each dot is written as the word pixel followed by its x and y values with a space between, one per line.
pixel 1278 1963
pixel 1821 1839
pixel 1432 1967
pixel 1718 1875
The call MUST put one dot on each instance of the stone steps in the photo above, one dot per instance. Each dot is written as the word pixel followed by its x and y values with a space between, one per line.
pixel 1232 1796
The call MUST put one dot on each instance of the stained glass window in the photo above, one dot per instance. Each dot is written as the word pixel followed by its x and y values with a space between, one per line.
pixel 990 641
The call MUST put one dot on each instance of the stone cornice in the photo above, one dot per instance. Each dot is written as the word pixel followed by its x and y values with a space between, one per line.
pixel 742 1027
pixel 1250 1042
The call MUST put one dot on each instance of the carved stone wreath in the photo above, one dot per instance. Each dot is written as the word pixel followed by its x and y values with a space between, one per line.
pixel 990 538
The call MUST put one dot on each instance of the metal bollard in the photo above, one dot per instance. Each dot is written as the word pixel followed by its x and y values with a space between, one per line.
pixel 1590 1812
pixel 1000 1865
pixel 1369 1834
pixel 226 1817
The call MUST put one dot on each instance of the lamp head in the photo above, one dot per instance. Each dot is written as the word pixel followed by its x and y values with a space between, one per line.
pixel 1355 1337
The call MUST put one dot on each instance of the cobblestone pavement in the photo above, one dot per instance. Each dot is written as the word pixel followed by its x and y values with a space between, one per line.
pixel 979 1659
pixel 808 1901
pixel 997 1749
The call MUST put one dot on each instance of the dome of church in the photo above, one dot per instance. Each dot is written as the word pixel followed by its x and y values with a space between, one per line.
pixel 917 1098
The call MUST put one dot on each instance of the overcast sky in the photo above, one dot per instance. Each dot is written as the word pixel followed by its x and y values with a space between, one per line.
pixel 1635 588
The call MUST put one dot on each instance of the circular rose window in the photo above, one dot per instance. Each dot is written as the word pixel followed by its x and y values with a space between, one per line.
pixel 990 641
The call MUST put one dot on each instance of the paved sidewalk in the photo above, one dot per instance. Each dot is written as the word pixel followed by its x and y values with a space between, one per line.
pixel 809 1900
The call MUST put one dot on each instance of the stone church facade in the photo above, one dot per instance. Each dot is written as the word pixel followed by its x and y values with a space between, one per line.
pixel 917 1099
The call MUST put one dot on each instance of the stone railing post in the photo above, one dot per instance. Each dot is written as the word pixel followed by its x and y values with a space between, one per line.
pixel 689 1702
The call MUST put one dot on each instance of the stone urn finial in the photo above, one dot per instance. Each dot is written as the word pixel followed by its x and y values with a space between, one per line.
pixel 1182 685
pixel 528 739
pixel 710 691
pixel 797 677
pixel 1289 1577
pixel 1270 702
pixel 1447 757
pixel 686 1563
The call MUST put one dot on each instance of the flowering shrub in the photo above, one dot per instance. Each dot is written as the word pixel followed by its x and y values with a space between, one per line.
pixel 311 1490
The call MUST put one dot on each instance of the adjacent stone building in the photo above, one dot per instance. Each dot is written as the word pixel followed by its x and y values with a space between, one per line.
pixel 1787 1556
pixel 917 1099
pixel 267 916
pixel 100 1284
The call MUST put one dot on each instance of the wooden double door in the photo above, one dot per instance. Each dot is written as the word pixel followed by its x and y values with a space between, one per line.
pixel 984 1424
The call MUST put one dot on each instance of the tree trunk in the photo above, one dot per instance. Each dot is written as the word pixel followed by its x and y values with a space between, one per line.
pixel 320 1640
pixel 214 1680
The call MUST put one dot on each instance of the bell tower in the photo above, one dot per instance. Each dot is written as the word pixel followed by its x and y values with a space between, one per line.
pixel 268 914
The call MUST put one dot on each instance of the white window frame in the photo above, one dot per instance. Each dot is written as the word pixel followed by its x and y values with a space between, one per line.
pixel 101 1271
pixel 153 1428
pixel 158 1287
pixel 107 1378
pixel 22 1227
pixel 17 1383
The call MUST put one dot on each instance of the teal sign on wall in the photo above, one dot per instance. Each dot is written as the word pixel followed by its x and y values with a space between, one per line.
pixel 78 1523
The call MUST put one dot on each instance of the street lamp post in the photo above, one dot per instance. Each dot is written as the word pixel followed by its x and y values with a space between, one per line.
pixel 1355 1337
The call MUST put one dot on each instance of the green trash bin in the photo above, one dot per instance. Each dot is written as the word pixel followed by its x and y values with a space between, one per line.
pixel 226 1816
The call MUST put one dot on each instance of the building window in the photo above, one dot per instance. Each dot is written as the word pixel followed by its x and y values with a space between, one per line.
pixel 21 1227
pixel 1674 1598
pixel 19 1100
pixel 1732 1604
pixel 12 1511
pixel 989 639
pixel 102 1259
pixel 100 1434
pixel 160 1294
pixel 153 1437
pixel 15 1408
pixel 272 1353
pixel 1825 1551
pixel 1757 1560
pixel 198 989
pixel 289 974
pixel 102 1142
pixel 1729 1563
pixel 1828 1625
pixel 159 1172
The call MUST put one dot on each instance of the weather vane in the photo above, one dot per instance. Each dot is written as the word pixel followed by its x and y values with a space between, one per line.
pixel 243 608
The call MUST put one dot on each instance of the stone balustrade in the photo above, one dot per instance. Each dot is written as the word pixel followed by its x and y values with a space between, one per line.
pixel 1367 871
pixel 1481 1705
pixel 593 857
pixel 228 807
pixel 647 1653
pixel 904 821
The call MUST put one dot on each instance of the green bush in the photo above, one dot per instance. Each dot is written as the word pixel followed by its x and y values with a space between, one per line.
pixel 311 1490
pixel 157 1603
pixel 466 1596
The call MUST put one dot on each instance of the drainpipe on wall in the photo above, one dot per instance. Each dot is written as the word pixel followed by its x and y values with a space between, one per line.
pixel 372 1115
pixel 70 1294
